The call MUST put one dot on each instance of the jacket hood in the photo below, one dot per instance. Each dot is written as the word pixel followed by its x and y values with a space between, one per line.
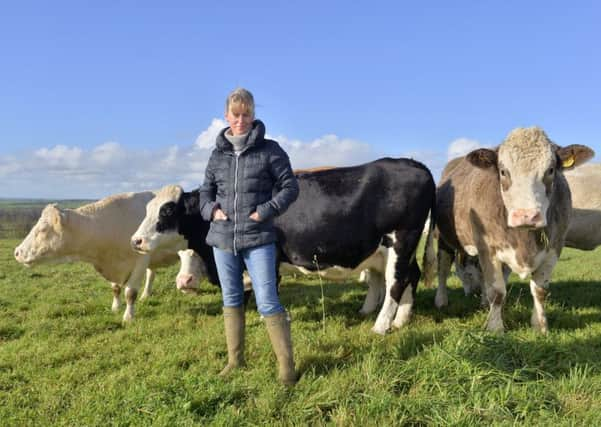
pixel 256 136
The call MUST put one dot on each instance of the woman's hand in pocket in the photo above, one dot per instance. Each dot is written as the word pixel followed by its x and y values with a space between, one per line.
pixel 255 216
pixel 219 215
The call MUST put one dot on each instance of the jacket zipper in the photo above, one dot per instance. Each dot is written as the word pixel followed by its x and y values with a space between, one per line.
pixel 235 199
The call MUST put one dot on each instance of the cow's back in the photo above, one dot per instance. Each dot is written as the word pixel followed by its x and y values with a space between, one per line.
pixel 115 219
pixel 584 231
pixel 345 211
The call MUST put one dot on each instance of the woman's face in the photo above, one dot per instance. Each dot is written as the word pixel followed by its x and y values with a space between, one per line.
pixel 239 118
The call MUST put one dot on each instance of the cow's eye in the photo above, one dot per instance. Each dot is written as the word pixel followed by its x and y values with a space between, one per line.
pixel 551 171
pixel 503 172
pixel 166 211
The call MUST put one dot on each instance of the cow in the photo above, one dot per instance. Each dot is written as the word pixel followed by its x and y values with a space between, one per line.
pixel 339 219
pixel 371 271
pixel 510 207
pixel 584 230
pixel 99 233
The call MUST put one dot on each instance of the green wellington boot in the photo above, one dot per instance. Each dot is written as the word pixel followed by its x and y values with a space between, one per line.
pixel 234 321
pixel 278 328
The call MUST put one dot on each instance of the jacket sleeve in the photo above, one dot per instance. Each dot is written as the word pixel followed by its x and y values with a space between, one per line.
pixel 208 191
pixel 286 186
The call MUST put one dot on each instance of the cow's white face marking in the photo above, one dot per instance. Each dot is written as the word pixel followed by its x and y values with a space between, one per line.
pixel 526 163
pixel 45 240
pixel 147 238
pixel 191 269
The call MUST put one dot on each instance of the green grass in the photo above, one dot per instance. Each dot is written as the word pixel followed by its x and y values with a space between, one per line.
pixel 66 359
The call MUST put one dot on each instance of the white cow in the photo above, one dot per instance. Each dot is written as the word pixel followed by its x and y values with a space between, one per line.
pixel 98 233
pixel 371 271
pixel 584 231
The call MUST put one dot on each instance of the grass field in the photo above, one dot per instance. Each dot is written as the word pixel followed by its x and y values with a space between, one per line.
pixel 66 359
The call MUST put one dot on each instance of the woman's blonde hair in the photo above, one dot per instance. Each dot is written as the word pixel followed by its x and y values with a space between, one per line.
pixel 242 98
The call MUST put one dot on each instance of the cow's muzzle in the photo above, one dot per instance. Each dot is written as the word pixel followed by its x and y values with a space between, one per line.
pixel 186 283
pixel 138 244
pixel 527 218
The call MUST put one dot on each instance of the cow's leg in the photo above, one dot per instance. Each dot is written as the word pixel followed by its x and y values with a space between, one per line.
pixel 248 288
pixel 403 313
pixel 494 287
pixel 445 260
pixel 539 284
pixel 400 256
pixel 469 272
pixel 133 285
pixel 148 284
pixel 375 288
pixel 389 308
pixel 116 296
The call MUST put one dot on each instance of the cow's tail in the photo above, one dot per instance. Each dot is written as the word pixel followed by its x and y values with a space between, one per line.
pixel 429 261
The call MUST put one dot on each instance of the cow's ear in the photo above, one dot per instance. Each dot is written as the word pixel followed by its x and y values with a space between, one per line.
pixel 59 216
pixel 483 158
pixel 574 155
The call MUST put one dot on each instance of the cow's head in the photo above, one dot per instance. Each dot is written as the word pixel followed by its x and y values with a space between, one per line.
pixel 46 239
pixel 528 164
pixel 191 269
pixel 160 225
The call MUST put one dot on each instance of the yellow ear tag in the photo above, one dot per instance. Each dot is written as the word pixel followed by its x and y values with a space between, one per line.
pixel 569 162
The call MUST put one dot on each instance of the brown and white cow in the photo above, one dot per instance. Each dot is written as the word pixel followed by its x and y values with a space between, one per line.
pixel 584 231
pixel 371 271
pixel 510 207
pixel 98 233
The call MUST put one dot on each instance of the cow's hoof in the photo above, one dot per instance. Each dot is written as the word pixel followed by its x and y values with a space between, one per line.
pixel 441 301
pixel 144 296
pixel 539 325
pixel 366 312
pixel 398 324
pixel 379 330
pixel 496 329
pixel 115 308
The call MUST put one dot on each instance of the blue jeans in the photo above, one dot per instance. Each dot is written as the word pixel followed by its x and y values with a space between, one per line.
pixel 260 263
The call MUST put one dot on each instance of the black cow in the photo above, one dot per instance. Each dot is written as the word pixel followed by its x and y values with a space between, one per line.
pixel 339 219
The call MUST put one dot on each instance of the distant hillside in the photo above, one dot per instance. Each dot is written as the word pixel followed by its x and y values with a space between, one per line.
pixel 17 216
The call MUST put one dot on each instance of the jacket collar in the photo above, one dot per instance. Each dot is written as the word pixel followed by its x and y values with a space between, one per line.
pixel 255 137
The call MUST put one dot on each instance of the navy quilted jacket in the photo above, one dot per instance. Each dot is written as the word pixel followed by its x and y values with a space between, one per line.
pixel 258 179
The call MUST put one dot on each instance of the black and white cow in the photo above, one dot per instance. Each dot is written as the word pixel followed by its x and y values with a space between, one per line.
pixel 339 219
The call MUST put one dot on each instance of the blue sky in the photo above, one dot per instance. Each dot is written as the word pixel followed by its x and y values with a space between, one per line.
pixel 103 97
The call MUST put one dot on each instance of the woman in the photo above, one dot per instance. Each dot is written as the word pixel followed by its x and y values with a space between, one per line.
pixel 248 182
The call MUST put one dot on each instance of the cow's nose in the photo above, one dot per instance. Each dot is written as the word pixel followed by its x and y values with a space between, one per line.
pixel 183 280
pixel 136 242
pixel 17 253
pixel 526 218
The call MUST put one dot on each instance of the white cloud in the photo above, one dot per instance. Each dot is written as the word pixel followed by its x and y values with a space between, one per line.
pixel 328 150
pixel 461 146
pixel 171 159
pixel 109 168
pixel 60 156
pixel 206 139
pixel 9 165
pixel 108 152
